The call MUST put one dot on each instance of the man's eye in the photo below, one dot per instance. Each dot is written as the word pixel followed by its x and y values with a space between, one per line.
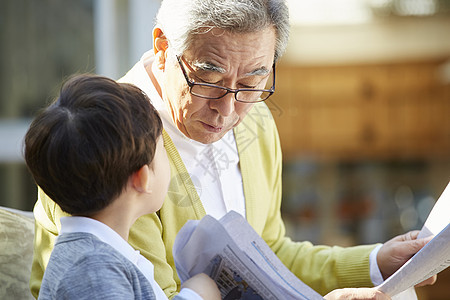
pixel 243 86
pixel 255 83
pixel 250 85
pixel 202 80
pixel 212 82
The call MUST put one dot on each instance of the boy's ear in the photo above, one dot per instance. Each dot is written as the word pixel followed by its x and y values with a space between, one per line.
pixel 141 180
pixel 160 45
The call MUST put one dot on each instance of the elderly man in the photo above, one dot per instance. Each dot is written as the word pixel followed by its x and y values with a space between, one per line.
pixel 211 66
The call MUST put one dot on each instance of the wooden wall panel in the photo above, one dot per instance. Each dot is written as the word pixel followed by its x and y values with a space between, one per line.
pixel 367 111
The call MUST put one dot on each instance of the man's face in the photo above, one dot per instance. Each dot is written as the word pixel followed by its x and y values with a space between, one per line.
pixel 226 59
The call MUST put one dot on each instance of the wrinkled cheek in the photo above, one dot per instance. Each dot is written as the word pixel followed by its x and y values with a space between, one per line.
pixel 185 107
pixel 243 109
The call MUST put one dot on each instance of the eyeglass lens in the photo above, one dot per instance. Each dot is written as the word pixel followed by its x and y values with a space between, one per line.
pixel 213 92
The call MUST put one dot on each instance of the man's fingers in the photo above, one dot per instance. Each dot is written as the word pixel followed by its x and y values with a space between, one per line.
pixel 430 281
pixel 356 294
pixel 412 236
pixel 409 236
pixel 415 244
pixel 419 243
pixel 395 252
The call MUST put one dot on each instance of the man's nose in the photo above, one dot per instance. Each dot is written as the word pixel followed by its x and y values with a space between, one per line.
pixel 224 106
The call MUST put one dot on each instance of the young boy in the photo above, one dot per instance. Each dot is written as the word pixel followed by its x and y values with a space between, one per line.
pixel 98 152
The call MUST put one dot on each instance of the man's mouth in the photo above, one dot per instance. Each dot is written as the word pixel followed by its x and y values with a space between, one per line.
pixel 211 128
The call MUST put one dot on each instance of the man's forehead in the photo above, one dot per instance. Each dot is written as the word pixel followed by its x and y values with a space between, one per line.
pixel 220 51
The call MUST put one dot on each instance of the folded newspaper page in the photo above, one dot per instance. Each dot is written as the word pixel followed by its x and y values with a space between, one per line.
pixel 433 258
pixel 231 252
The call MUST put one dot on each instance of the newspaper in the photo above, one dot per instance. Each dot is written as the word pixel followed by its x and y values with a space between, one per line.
pixel 231 252
pixel 433 258
pixel 244 266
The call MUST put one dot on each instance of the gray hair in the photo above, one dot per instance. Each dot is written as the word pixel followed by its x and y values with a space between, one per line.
pixel 181 20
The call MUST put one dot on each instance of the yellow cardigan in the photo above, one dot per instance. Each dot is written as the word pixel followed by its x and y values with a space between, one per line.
pixel 321 267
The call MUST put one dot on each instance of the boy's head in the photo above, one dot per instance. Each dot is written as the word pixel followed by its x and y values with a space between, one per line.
pixel 84 147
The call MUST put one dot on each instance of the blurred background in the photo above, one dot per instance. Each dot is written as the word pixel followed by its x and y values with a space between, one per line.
pixel 362 104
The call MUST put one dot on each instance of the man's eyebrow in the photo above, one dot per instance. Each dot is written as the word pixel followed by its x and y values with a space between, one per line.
pixel 259 72
pixel 206 66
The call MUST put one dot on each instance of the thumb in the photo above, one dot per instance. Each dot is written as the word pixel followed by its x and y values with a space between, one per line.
pixel 418 244
pixel 412 243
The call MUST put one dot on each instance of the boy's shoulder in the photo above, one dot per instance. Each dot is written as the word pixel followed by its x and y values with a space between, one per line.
pixel 75 248
pixel 79 258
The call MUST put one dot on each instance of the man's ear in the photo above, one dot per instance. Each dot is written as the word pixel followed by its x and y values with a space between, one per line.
pixel 141 180
pixel 160 45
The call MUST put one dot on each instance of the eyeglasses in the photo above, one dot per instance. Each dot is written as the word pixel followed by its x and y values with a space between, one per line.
pixel 212 91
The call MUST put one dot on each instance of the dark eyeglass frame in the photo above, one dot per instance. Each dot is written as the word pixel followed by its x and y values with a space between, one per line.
pixel 191 84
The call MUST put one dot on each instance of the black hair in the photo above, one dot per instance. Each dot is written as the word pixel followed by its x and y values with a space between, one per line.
pixel 82 149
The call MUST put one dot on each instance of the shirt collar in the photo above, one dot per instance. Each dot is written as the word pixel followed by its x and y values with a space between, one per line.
pixel 101 231
pixel 112 238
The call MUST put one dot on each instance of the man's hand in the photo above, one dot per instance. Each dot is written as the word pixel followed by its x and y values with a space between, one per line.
pixel 397 251
pixel 356 294
pixel 204 286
